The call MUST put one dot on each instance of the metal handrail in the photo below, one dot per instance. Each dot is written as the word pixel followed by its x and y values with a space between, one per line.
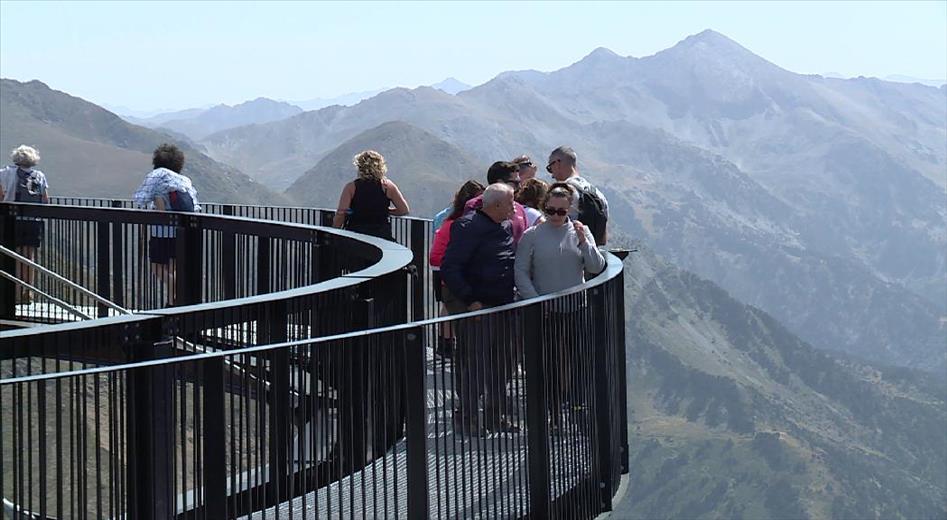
pixel 59 303
pixel 600 290
pixel 393 257
pixel 612 269
pixel 16 256
pixel 55 200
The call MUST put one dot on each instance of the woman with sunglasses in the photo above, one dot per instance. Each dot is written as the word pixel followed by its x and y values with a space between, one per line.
pixel 552 256
pixel 555 254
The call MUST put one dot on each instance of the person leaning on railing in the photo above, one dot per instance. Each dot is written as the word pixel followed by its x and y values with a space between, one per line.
pixel 368 202
pixel 478 273
pixel 553 256
pixel 166 189
pixel 21 182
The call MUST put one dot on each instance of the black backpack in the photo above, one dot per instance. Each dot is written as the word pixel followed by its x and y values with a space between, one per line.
pixel 592 213
pixel 181 201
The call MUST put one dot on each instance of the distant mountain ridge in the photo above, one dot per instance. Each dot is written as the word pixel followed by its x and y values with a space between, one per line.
pixel 418 162
pixel 88 151
pixel 348 99
pixel 197 123
pixel 451 86
pixel 838 231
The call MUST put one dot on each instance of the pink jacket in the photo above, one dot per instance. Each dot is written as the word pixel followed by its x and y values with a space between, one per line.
pixel 441 239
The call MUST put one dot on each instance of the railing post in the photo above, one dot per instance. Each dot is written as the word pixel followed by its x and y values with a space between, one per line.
pixel 416 403
pixel 603 384
pixel 190 259
pixel 419 291
pixel 149 429
pixel 280 416
pixel 619 284
pixel 325 217
pixel 352 394
pixel 7 238
pixel 228 258
pixel 214 439
pixel 118 260
pixel 537 427
pixel 102 265
pixel 263 265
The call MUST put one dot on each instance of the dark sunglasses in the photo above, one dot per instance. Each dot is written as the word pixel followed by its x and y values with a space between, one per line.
pixel 526 164
pixel 554 211
pixel 549 166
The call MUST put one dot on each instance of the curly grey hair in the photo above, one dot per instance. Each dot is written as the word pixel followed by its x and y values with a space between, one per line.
pixel 25 156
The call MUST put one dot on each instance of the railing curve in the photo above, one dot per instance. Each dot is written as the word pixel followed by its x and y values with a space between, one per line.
pixel 328 423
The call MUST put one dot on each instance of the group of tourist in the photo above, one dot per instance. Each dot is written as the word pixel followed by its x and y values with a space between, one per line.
pixel 515 237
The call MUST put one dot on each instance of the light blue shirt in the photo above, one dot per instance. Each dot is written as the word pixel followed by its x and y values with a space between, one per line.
pixel 440 218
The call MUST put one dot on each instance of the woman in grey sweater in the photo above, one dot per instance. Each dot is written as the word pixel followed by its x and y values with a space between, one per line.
pixel 555 254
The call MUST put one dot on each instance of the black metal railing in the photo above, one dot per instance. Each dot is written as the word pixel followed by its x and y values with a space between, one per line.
pixel 416 234
pixel 269 404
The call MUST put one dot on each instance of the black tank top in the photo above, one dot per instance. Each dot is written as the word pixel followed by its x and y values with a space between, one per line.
pixel 368 211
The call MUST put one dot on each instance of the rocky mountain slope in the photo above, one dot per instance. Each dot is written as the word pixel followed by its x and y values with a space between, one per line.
pixel 89 151
pixel 733 416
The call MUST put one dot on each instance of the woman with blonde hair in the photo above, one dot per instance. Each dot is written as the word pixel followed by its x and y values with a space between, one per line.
pixel 366 203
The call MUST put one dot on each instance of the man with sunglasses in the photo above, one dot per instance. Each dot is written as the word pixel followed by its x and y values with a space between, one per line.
pixel 526 167
pixel 563 166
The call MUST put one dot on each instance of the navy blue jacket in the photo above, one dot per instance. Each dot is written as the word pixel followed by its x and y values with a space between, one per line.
pixel 478 263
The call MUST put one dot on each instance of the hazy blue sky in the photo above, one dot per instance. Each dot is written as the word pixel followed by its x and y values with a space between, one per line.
pixel 178 55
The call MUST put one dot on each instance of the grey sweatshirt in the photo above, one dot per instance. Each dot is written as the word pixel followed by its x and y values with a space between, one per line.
pixel 549 259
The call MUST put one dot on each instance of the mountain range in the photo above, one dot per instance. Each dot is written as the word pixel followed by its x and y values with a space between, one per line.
pixel 196 123
pixel 89 151
pixel 818 200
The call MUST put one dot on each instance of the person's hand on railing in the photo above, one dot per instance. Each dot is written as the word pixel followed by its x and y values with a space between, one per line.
pixel 475 306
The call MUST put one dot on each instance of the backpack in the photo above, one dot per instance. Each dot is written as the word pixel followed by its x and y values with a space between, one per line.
pixel 181 201
pixel 592 212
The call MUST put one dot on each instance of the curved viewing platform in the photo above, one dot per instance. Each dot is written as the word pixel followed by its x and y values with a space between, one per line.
pixel 282 368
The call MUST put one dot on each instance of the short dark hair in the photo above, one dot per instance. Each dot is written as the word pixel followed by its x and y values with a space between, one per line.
pixel 565 154
pixel 501 171
pixel 168 156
